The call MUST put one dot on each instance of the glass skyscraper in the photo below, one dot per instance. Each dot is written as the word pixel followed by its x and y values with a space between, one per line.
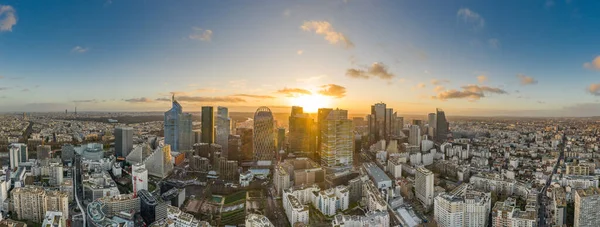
pixel 223 129
pixel 208 125
pixel 178 128
pixel 264 136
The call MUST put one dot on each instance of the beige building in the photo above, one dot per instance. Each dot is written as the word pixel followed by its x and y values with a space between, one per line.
pixel 281 179
pixel 337 140
pixel 31 203
pixel 424 186
pixel 579 169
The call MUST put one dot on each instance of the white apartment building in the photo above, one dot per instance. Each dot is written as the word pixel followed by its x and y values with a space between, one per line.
pixel 294 210
pixel 587 207
pixel 424 186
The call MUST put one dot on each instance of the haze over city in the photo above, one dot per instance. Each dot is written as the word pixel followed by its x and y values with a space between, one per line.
pixel 534 58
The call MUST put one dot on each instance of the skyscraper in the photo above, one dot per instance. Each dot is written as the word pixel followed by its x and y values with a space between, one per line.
pixel 302 136
pixel 587 207
pixel 178 128
pixel 208 125
pixel 337 143
pixel 431 120
pixel 321 117
pixel 414 137
pixel 223 129
pixel 441 131
pixel 18 153
pixel 379 124
pixel 263 139
pixel 123 141
pixel 280 139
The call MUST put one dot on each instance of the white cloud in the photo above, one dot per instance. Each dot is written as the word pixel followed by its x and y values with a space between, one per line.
pixel 79 49
pixel 526 80
pixel 471 17
pixel 325 28
pixel 594 65
pixel 482 78
pixel 8 18
pixel 201 34
pixel 594 89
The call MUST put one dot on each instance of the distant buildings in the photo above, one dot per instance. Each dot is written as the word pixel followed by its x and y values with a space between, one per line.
pixel 587 207
pixel 208 125
pixel 223 129
pixel 263 138
pixel 123 141
pixel 414 137
pixel 43 152
pixel 441 126
pixel 178 128
pixel 337 140
pixel 374 218
pixel 424 186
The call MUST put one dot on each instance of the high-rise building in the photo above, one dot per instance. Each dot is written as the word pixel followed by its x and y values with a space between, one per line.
pixel 246 143
pixel 208 125
pixel 441 130
pixel 150 207
pixel 302 136
pixel 462 207
pixel 31 203
pixel 123 141
pixel 18 153
pixel 321 117
pixel 139 177
pixel 424 186
pixel 378 124
pixel 43 152
pixel 159 163
pixel 414 137
pixel 587 207
pixel 281 139
pixel 178 128
pixel 431 120
pixel 263 138
pixel 67 152
pixel 223 129
pixel 281 179
pixel 337 140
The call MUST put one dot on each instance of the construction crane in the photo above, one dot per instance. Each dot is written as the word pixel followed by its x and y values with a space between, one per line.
pixel 135 179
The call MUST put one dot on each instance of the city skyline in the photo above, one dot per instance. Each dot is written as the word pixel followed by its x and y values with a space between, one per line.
pixel 468 58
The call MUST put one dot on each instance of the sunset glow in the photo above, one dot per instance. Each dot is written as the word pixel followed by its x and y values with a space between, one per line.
pixel 311 103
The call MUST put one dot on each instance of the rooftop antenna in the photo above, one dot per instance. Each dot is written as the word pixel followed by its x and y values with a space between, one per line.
pixel 173 98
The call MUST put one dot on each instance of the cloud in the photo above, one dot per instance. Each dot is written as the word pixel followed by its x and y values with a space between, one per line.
pixel 291 92
pixel 25 90
pixel 594 65
pixel 526 80
pixel 207 90
pixel 201 34
pixel 439 88
pixel 300 52
pixel 375 70
pixel 8 18
pixel 471 17
pixel 79 50
pixel 228 99
pixel 420 85
pixel 333 90
pixel 438 82
pixel 255 96
pixel 494 43
pixel 163 99
pixel 139 100
pixel 594 89
pixel 482 79
pixel 86 101
pixel 331 35
pixel 470 92
pixel 4 88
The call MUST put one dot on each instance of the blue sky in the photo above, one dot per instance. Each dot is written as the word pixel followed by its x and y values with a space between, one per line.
pixel 415 55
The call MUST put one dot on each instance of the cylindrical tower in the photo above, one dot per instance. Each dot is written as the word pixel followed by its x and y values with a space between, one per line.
pixel 263 136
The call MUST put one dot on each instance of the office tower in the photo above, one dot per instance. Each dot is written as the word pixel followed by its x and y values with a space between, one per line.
pixel 281 179
pixel 139 177
pixel 414 137
pixel 587 207
pixel 55 172
pixel 424 186
pixel 389 112
pixel 321 116
pixel 417 122
pixel 302 136
pixel 358 121
pixel 148 206
pixel 18 153
pixel 246 142
pixel 178 128
pixel 337 144
pixel 43 152
pixel 431 120
pixel 441 131
pixel 263 138
pixel 123 141
pixel 197 137
pixel 208 125
pixel 228 169
pixel 235 148
pixel 281 139
pixel 223 129
pixel 159 163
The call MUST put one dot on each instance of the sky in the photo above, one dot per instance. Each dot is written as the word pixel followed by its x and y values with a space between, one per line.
pixel 480 58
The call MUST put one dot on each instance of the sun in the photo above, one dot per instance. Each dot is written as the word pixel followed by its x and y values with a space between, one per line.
pixel 311 103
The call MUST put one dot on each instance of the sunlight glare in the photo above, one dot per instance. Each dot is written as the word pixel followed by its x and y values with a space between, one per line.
pixel 311 103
